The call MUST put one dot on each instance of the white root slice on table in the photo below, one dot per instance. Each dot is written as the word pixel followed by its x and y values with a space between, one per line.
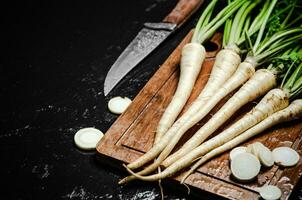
pixel 269 192
pixel 266 157
pixel 257 147
pixel 285 156
pixel 245 167
pixel 87 138
pixel 254 148
pixel 118 105
pixel 263 153
pixel 236 151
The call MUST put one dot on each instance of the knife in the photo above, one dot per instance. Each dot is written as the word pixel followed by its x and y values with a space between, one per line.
pixel 152 35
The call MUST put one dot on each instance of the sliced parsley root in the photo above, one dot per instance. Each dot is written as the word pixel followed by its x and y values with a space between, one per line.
pixel 285 156
pixel 189 71
pixel 245 167
pixel 257 84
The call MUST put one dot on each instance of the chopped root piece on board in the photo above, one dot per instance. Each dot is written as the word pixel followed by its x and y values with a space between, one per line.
pixel 270 192
pixel 87 138
pixel 118 105
pixel 236 151
pixel 285 156
pixel 245 167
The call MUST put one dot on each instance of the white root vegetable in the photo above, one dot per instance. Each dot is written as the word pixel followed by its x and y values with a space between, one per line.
pixel 118 105
pixel 259 56
pixel 236 151
pixel 242 74
pixel 226 63
pixel 245 167
pixel 262 81
pixel 255 148
pixel 263 154
pixel 270 192
pixel 292 112
pixel 87 138
pixel 192 57
pixel 266 157
pixel 285 156
pixel 272 102
pixel 204 30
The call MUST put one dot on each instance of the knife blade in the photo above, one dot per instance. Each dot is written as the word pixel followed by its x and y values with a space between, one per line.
pixel 150 37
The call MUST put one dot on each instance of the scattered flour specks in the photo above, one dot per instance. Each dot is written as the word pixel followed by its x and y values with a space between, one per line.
pixel 77 192
pixel 81 193
pixel 41 171
pixel 86 113
pixel 18 131
pixel 46 172
pixel 145 195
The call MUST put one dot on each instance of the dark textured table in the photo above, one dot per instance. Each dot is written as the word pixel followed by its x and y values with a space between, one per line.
pixel 56 56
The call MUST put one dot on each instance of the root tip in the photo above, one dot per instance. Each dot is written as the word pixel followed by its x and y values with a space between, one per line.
pixel 183 180
pixel 121 182
pixel 188 188
pixel 126 167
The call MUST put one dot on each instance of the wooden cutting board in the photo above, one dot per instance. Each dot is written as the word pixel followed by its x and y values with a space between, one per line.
pixel 132 134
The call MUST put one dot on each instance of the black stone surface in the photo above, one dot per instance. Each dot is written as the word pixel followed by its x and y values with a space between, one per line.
pixel 55 58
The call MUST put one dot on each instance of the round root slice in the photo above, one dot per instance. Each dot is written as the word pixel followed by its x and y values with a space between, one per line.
pixel 270 192
pixel 266 157
pixel 87 138
pixel 263 153
pixel 236 151
pixel 285 156
pixel 254 148
pixel 257 148
pixel 118 105
pixel 245 167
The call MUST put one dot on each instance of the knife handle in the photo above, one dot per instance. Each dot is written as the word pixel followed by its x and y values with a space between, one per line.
pixel 182 11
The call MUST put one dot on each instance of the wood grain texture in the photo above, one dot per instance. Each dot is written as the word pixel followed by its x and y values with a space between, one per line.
pixel 182 11
pixel 132 134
